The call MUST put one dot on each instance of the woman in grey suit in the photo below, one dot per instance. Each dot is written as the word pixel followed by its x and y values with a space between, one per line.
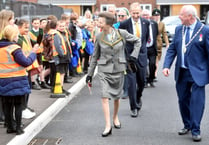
pixel 109 55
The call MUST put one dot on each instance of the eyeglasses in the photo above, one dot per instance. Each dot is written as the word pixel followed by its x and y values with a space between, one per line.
pixel 121 16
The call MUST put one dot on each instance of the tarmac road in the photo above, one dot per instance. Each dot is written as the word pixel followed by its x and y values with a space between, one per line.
pixel 81 122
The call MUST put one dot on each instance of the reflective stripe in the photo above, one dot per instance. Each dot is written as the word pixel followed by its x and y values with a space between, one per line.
pixel 11 70
pixel 10 49
pixel 8 67
pixel 27 48
pixel 53 32
pixel 68 41
pixel 32 36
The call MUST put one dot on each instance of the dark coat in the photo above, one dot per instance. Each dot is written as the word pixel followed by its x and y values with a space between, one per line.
pixel 127 25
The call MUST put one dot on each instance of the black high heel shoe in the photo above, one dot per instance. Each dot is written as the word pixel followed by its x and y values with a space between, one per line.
pixel 105 134
pixel 117 126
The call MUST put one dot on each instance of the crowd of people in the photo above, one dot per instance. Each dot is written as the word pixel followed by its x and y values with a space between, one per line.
pixel 126 45
pixel 33 53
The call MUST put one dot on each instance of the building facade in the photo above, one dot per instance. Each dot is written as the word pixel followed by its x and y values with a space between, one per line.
pixel 103 5
pixel 172 7
pixel 78 6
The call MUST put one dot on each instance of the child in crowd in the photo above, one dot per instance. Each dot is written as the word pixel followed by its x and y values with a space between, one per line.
pixel 65 60
pixel 59 51
pixel 66 19
pixel 36 37
pixel 24 42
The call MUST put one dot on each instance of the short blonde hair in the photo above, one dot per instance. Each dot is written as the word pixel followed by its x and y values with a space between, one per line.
pixel 10 32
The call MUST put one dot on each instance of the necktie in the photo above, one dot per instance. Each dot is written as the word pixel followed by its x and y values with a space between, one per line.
pixel 137 29
pixel 186 41
pixel 187 35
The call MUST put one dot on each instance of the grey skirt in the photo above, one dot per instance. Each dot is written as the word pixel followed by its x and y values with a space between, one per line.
pixel 112 84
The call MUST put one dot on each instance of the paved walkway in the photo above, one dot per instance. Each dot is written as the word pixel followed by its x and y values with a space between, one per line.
pixel 40 101
pixel 81 122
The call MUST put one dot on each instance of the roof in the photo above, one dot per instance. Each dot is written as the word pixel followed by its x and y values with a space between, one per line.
pixel 68 2
pixel 171 2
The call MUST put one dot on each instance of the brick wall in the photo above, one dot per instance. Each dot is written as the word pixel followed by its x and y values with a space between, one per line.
pixel 32 1
pixel 125 3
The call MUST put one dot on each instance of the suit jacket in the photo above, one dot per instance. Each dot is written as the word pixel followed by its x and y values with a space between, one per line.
pixel 110 55
pixel 197 54
pixel 161 31
pixel 154 26
pixel 127 25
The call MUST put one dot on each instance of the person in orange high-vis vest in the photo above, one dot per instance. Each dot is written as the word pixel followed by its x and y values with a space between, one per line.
pixel 67 34
pixel 14 82
pixel 59 53
pixel 6 18
pixel 24 42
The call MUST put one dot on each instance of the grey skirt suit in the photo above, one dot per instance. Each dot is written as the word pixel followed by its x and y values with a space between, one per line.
pixel 109 55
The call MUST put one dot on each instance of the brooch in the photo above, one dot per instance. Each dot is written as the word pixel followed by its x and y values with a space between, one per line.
pixel 200 37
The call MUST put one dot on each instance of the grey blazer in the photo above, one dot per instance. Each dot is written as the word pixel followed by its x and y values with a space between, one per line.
pixel 110 55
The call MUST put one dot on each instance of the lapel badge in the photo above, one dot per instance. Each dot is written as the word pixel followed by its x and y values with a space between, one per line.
pixel 200 37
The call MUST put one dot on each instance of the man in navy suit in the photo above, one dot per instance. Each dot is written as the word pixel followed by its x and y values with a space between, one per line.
pixel 151 48
pixel 136 81
pixel 191 47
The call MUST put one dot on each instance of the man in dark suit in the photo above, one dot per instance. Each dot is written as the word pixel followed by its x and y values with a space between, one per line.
pixel 191 47
pixel 136 81
pixel 151 48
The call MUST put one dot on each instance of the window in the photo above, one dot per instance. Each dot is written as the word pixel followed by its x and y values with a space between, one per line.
pixel 147 7
pixel 32 10
pixel 24 10
pixel 105 7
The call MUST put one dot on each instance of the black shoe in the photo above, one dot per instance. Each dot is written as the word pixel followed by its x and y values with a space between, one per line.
pixel 117 126
pixel 105 134
pixel 183 131
pixel 155 80
pixel 43 85
pixel 19 131
pixel 11 130
pixel 85 71
pixel 68 81
pixel 36 87
pixel 38 81
pixel 152 84
pixel 65 92
pixel 196 138
pixel 124 97
pixel 68 77
pixel 146 85
pixel 134 113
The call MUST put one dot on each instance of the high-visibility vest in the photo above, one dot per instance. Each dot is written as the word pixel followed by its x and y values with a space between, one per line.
pixel 53 32
pixel 8 67
pixel 34 38
pixel 27 48
pixel 67 35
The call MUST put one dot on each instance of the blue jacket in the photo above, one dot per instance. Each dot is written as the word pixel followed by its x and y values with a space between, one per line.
pixel 197 54
pixel 16 86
